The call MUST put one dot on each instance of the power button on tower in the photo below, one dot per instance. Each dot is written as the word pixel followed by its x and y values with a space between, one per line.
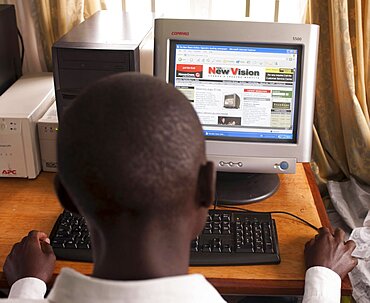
pixel 2 126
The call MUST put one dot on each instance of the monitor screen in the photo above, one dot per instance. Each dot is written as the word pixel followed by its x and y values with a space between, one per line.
pixel 241 91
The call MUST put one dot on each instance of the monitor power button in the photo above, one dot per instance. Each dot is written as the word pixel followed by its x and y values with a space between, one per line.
pixel 284 165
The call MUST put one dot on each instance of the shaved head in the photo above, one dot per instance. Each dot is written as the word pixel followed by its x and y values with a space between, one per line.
pixel 130 143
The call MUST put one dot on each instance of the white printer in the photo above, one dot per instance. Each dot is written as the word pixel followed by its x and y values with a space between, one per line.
pixel 47 128
pixel 21 106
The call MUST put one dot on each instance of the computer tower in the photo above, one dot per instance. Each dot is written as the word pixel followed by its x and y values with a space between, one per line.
pixel 105 44
pixel 10 59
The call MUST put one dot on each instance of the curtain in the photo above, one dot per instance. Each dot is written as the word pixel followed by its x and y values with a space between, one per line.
pixel 34 54
pixel 42 22
pixel 56 17
pixel 341 144
pixel 341 147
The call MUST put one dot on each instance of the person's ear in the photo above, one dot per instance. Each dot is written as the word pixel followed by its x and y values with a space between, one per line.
pixel 207 184
pixel 63 196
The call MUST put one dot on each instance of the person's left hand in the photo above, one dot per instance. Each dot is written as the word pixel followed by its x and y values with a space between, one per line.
pixel 32 257
pixel 331 251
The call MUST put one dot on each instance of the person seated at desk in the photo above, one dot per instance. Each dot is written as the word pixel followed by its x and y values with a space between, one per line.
pixel 131 156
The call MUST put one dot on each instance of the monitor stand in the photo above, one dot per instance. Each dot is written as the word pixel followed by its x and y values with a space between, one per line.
pixel 244 188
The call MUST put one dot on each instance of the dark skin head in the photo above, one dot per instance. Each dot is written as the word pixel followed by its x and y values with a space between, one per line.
pixel 132 161
pixel 145 186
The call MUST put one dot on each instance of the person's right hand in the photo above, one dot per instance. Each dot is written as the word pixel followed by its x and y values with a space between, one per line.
pixel 32 257
pixel 331 251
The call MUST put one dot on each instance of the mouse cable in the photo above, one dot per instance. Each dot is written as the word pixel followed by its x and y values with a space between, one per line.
pixel 267 212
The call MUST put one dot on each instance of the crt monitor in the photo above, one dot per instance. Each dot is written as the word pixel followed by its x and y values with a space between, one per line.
pixel 252 85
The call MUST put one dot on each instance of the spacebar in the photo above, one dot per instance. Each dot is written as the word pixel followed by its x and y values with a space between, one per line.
pixel 240 258
pixel 73 254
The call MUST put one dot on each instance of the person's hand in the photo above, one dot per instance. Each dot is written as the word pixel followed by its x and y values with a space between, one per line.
pixel 331 251
pixel 32 257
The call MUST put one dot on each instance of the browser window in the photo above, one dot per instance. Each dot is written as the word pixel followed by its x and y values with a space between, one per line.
pixel 241 91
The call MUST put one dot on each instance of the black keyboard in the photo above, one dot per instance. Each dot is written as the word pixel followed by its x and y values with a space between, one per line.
pixel 228 238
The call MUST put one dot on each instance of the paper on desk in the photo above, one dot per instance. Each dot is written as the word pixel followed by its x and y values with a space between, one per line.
pixel 361 236
pixel 351 200
pixel 360 275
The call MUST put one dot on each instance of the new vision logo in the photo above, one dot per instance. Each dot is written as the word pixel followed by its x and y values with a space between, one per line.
pixel 232 71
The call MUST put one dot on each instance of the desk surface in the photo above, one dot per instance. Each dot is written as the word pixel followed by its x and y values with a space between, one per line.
pixel 32 204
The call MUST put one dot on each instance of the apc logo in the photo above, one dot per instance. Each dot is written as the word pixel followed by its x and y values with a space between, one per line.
pixel 9 172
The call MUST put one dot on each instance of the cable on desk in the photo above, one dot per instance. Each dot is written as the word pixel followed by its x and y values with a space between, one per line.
pixel 216 201
pixel 267 212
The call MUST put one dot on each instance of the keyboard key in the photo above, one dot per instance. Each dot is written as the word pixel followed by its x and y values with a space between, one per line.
pixel 244 248
pixel 226 248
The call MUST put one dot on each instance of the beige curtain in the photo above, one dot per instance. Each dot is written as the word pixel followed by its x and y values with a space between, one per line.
pixel 42 22
pixel 341 146
pixel 54 18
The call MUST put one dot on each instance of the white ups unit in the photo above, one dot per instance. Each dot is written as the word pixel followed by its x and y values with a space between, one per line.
pixel 47 128
pixel 21 106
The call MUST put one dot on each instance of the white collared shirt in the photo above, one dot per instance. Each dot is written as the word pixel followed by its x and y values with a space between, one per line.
pixel 322 285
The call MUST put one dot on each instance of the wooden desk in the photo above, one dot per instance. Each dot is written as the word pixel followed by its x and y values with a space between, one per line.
pixel 32 204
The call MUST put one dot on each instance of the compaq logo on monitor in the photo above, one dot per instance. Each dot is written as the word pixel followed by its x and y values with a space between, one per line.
pixel 8 172
pixel 232 71
pixel 180 34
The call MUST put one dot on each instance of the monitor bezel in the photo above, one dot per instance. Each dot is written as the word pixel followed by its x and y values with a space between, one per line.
pixel 254 156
